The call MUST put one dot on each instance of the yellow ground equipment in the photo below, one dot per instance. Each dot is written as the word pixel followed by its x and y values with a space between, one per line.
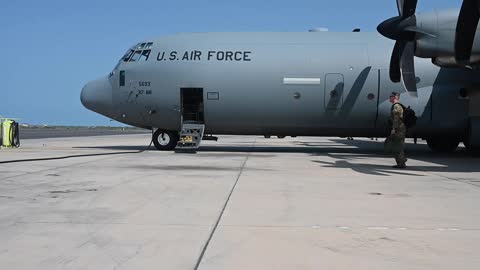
pixel 10 133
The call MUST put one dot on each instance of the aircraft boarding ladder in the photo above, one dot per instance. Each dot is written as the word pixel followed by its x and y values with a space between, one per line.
pixel 190 138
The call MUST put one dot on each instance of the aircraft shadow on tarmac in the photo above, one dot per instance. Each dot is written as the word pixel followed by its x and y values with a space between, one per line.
pixel 347 154
pixel 459 161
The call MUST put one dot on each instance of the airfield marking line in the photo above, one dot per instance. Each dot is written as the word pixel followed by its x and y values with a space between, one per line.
pixel 347 228
pixel 205 247
pixel 378 228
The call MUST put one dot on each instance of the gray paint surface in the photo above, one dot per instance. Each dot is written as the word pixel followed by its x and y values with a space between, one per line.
pixel 351 99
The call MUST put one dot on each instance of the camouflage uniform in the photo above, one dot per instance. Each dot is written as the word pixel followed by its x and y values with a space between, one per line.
pixel 399 130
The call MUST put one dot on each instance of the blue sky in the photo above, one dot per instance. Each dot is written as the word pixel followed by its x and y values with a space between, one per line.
pixel 52 48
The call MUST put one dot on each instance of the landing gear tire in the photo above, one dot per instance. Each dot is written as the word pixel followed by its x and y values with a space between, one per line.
pixel 443 145
pixel 165 140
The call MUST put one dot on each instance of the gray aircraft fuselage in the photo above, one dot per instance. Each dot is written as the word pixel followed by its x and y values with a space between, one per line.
pixel 288 84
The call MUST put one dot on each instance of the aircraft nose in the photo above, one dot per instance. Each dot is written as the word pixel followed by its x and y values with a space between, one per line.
pixel 97 96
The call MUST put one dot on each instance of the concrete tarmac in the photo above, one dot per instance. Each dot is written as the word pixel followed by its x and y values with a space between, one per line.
pixel 108 202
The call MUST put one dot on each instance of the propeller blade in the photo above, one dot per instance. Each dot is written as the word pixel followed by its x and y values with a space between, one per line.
pixel 400 7
pixel 403 29
pixel 466 29
pixel 406 8
pixel 395 74
pixel 407 67
pixel 402 66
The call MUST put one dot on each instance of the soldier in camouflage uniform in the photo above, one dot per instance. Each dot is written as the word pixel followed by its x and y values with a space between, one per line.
pixel 399 130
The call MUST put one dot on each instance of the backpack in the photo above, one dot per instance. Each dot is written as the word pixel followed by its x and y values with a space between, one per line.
pixel 409 117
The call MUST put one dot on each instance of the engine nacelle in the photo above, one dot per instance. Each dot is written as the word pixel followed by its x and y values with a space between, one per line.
pixel 435 38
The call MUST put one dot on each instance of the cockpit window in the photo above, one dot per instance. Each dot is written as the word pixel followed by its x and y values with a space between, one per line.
pixel 139 52
pixel 122 78
pixel 136 56
pixel 145 55
pixel 127 56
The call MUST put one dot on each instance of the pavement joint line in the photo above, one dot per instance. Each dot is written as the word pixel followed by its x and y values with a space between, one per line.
pixel 451 178
pixel 205 247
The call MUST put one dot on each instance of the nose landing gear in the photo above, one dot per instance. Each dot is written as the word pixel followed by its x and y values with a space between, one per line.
pixel 165 140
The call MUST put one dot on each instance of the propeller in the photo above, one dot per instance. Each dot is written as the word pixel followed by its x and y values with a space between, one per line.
pixel 403 29
pixel 466 30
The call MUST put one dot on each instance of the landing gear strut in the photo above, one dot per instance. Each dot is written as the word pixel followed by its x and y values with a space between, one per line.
pixel 471 148
pixel 165 140
pixel 471 139
pixel 443 144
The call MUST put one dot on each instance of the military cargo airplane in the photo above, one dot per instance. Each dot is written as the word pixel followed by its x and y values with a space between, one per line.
pixel 314 83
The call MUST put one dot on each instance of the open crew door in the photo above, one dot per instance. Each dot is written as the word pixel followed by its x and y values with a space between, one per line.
pixel 192 105
pixel 193 122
